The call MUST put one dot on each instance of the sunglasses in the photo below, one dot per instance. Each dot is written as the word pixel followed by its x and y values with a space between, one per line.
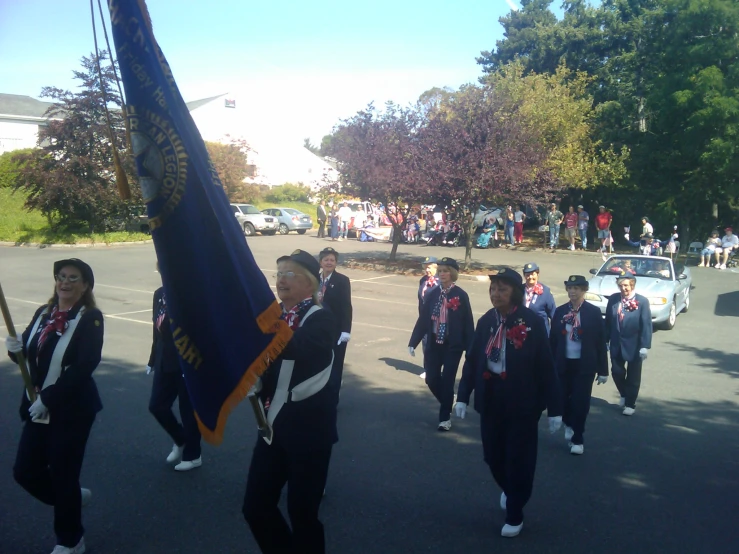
pixel 285 274
pixel 69 278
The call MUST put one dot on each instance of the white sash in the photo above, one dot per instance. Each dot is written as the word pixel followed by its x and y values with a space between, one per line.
pixel 55 366
pixel 301 391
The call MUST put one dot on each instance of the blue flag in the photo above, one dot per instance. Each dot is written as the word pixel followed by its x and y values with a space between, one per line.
pixel 225 319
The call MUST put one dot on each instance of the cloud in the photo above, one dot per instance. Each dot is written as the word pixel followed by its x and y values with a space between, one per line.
pixel 512 5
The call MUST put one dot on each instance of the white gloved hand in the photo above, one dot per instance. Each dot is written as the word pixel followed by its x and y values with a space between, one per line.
pixel 460 408
pixel 555 424
pixel 13 345
pixel 37 409
pixel 344 338
pixel 602 379
pixel 643 353
pixel 412 351
pixel 149 369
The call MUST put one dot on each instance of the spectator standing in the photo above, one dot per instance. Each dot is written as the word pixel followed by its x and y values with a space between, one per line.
pixel 603 224
pixel 321 217
pixel 518 218
pixel 571 226
pixel 729 243
pixel 509 226
pixel 335 223
pixel 554 220
pixel 360 219
pixel 583 219
pixel 646 228
pixel 345 217
pixel 712 243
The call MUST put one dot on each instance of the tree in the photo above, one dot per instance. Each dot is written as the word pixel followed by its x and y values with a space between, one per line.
pixel 230 161
pixel 10 168
pixel 308 145
pixel 70 178
pixel 379 159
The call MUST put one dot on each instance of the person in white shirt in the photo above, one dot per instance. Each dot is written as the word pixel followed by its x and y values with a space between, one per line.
pixel 712 243
pixel 360 219
pixel 518 219
pixel 647 228
pixel 345 216
pixel 729 243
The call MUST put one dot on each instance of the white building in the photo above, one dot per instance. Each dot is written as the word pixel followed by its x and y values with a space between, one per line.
pixel 20 118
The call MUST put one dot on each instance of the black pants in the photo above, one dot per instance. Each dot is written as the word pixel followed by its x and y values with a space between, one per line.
pixel 48 466
pixel 166 388
pixel 321 228
pixel 577 388
pixel 337 369
pixel 510 447
pixel 627 376
pixel 441 364
pixel 305 475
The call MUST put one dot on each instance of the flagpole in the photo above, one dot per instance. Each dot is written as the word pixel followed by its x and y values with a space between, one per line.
pixel 19 355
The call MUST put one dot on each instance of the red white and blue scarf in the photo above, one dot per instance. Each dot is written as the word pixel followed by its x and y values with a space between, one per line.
pixel 497 336
pixel 161 313
pixel 573 318
pixel 58 322
pixel 627 305
pixel 294 315
pixel 536 290
pixel 430 283
pixel 440 314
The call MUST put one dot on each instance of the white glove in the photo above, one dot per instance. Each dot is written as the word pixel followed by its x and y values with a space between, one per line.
pixel 460 408
pixel 555 423
pixel 149 369
pixel 602 379
pixel 344 338
pixel 643 353
pixel 37 409
pixel 412 351
pixel 13 345
pixel 626 236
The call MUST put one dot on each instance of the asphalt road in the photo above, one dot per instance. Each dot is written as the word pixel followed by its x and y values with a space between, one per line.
pixel 665 480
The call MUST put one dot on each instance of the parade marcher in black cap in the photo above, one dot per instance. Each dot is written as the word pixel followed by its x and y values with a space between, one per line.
pixel 446 317
pixel 510 368
pixel 63 346
pixel 335 293
pixel 629 334
pixel 169 385
pixel 578 342
pixel 427 283
pixel 537 296
pixel 301 408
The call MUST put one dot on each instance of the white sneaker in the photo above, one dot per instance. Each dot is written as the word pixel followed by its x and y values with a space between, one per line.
pixel 176 454
pixel 511 530
pixel 722 266
pixel 701 265
pixel 187 466
pixel 622 402
pixel 423 375
pixel 569 433
pixel 503 501
pixel 79 549
pixel 445 425
pixel 572 247
pixel 577 449
pixel 628 411
pixel 86 495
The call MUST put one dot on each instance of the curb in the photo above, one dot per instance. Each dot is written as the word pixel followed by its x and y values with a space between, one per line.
pixel 384 268
pixel 90 245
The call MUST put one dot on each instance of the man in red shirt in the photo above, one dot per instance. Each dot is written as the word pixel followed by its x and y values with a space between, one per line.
pixel 571 226
pixel 603 224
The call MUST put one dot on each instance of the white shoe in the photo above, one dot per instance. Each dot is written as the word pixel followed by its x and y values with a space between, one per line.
pixel 176 454
pixel 503 501
pixel 572 247
pixel 701 265
pixel 722 266
pixel 511 530
pixel 187 466
pixel 622 402
pixel 445 425
pixel 423 375
pixel 577 449
pixel 628 411
pixel 86 495
pixel 79 549
pixel 569 433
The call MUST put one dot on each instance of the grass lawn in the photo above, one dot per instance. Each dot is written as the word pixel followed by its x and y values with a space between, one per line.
pixel 21 226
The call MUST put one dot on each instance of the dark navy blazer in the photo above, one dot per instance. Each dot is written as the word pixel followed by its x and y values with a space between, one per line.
pixel 338 299
pixel 460 324
pixel 163 355
pixel 421 286
pixel 593 356
pixel 635 331
pixel 531 383
pixel 544 305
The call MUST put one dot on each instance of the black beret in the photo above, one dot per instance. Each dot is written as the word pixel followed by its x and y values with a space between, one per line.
pixel 306 260
pixel 510 275
pixel 576 281
pixel 85 270
pixel 449 262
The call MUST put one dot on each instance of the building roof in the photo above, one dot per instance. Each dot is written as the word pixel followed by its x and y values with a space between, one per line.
pixel 22 106
pixel 195 104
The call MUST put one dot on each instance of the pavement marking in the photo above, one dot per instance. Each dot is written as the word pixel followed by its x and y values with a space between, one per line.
pixel 36 303
pixel 379 326
pixel 124 288
pixel 127 319
pixel 129 313
pixel 372 279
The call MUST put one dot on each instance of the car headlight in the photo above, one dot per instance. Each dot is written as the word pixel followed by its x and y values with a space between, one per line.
pixel 593 297
pixel 657 301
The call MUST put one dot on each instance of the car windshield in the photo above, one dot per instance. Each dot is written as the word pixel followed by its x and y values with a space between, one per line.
pixel 292 211
pixel 639 267
pixel 248 209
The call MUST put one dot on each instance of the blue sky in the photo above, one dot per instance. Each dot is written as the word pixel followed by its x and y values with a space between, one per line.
pixel 297 67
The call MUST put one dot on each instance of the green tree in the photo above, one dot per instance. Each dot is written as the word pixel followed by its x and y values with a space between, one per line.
pixel 10 168
pixel 230 161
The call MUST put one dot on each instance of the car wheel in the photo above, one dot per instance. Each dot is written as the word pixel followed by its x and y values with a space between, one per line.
pixel 302 231
pixel 283 229
pixel 248 229
pixel 687 304
pixel 269 233
pixel 670 323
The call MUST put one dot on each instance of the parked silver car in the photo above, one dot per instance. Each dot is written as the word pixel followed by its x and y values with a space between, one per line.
pixel 252 220
pixel 666 285
pixel 290 219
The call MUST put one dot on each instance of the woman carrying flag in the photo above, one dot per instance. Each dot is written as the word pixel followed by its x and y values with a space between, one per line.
pixel 446 317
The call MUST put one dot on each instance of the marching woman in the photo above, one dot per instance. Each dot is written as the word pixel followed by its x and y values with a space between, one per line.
pixel 446 317
pixel 629 334
pixel 335 293
pixel 510 368
pixel 168 385
pixel 301 409
pixel 428 282
pixel 578 342
pixel 538 297
pixel 63 346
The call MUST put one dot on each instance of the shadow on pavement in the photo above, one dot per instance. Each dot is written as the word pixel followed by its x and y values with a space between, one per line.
pixel 715 360
pixel 727 304
pixel 403 365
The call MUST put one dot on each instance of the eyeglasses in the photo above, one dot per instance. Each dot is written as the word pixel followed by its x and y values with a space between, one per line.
pixel 285 274
pixel 68 278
